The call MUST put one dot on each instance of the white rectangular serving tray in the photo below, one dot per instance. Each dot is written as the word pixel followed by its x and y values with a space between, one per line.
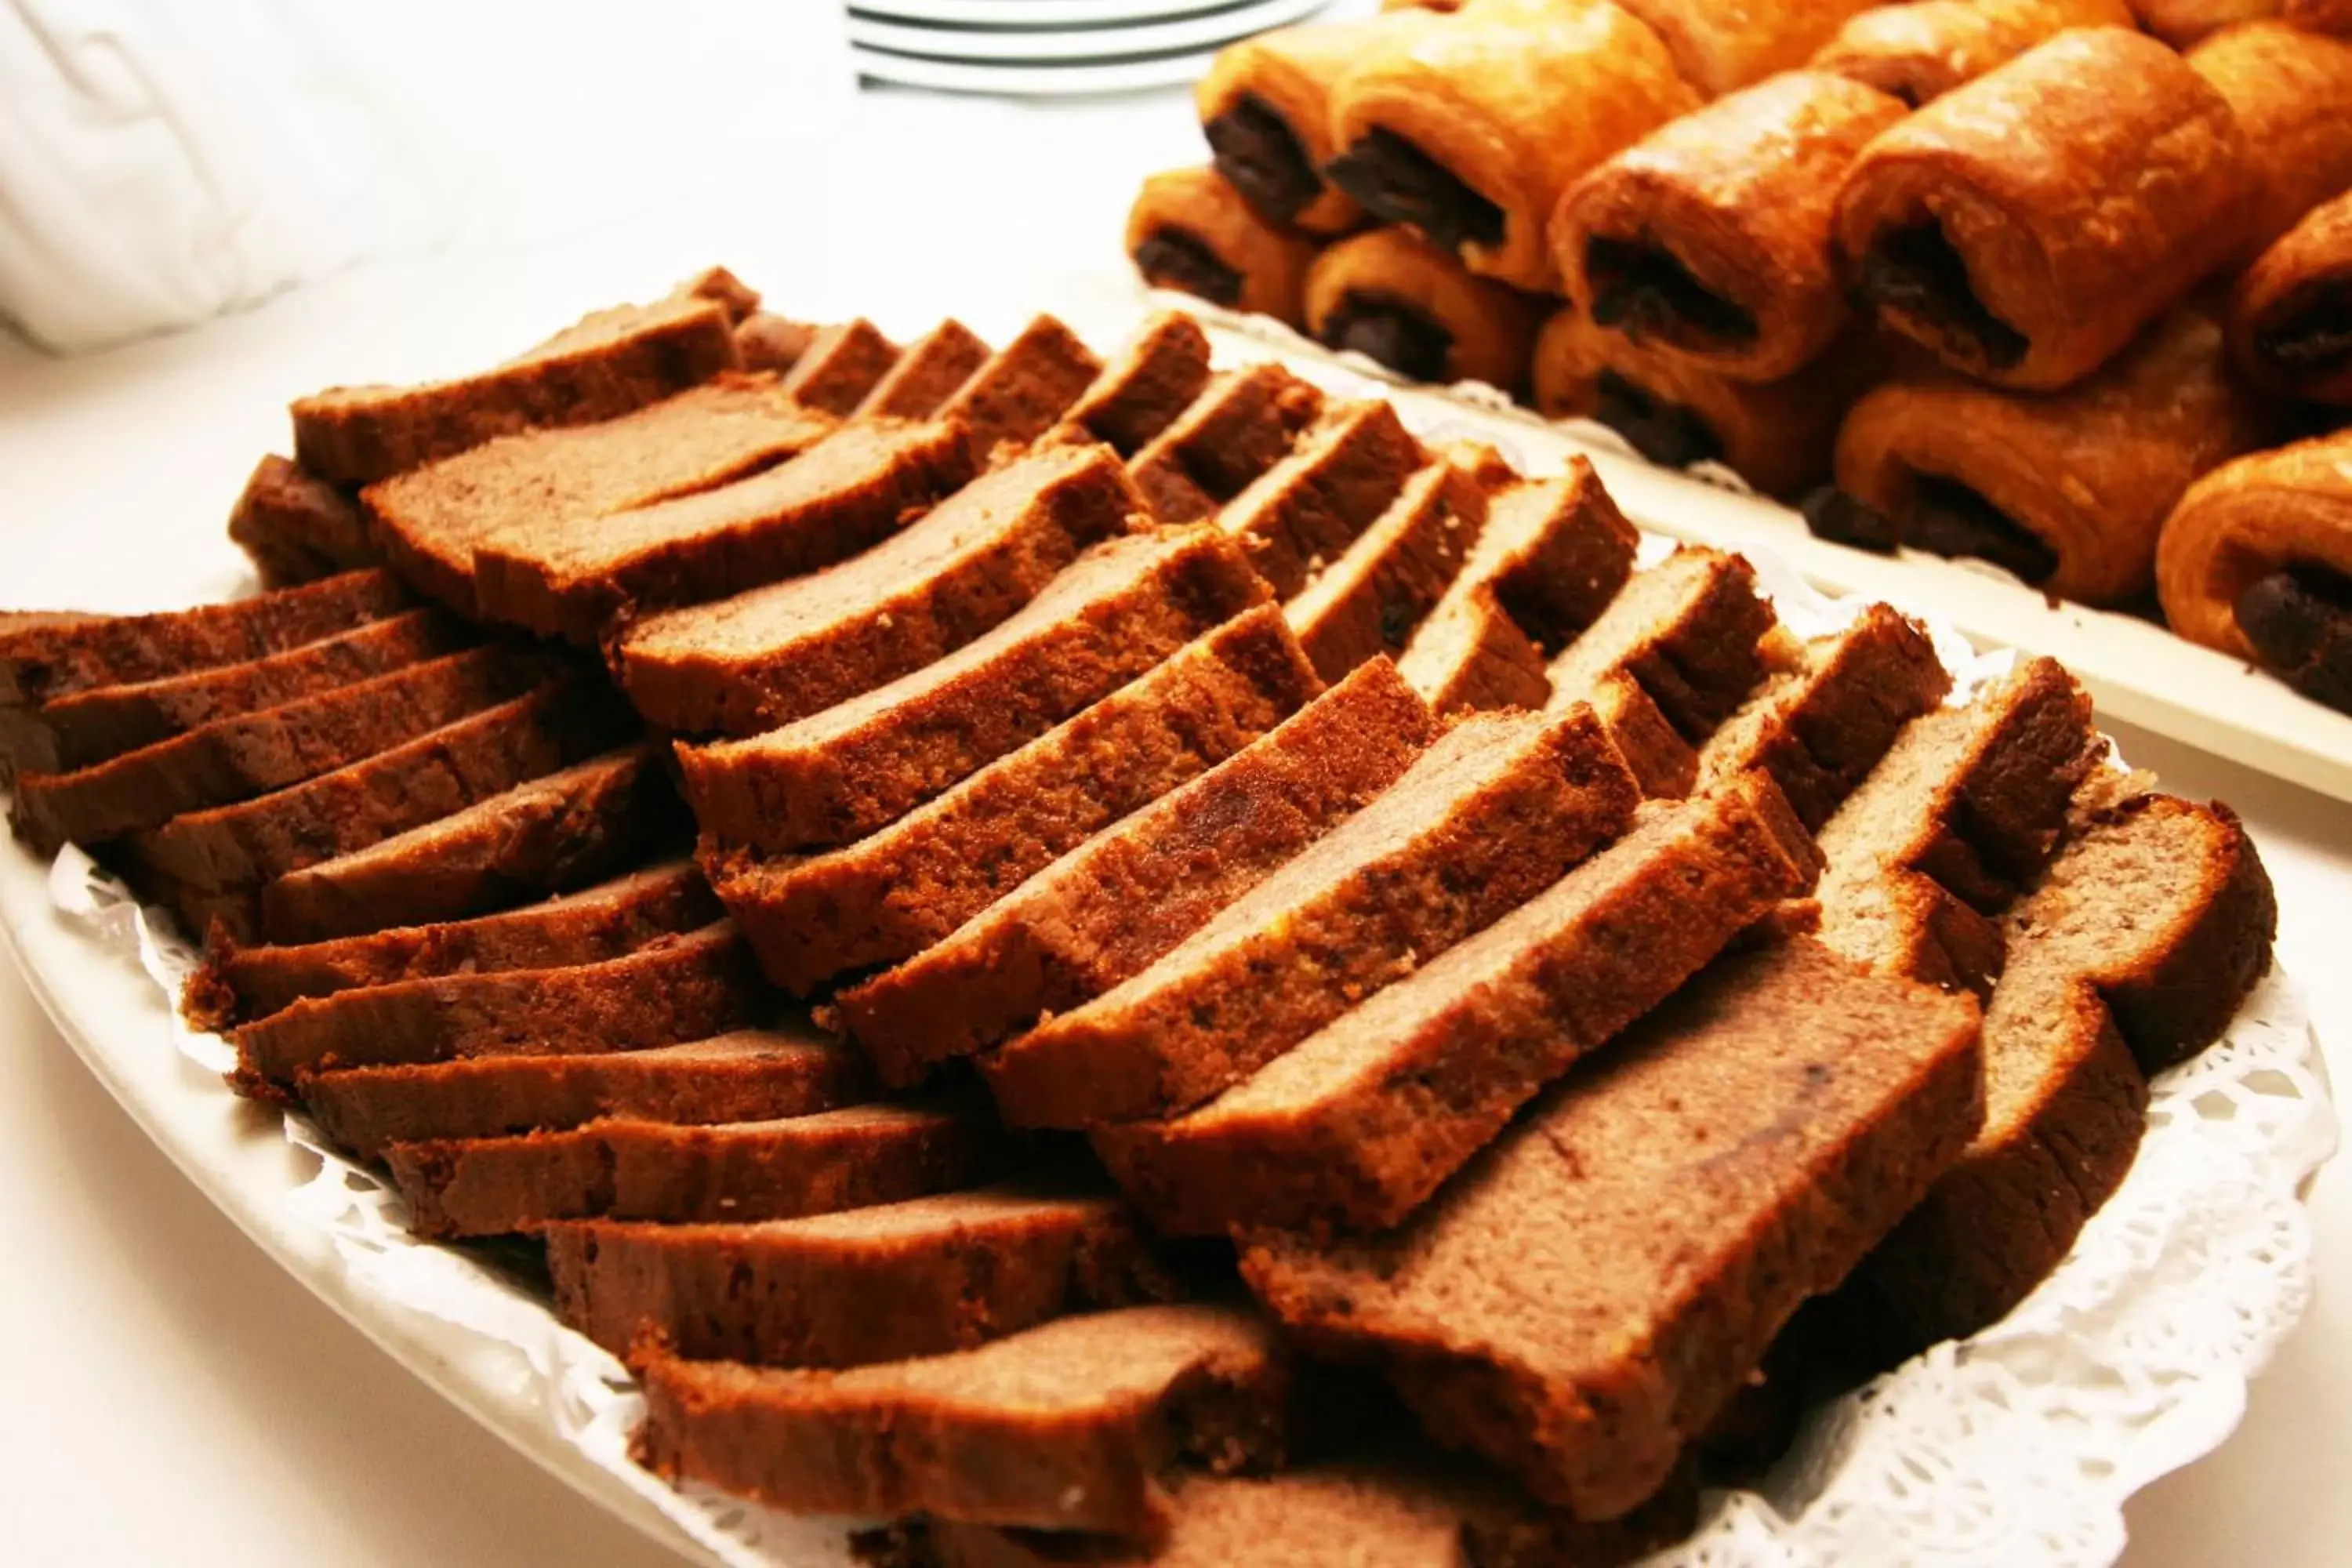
pixel 2138 671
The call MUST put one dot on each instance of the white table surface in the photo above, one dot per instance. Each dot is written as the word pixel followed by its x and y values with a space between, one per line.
pixel 172 1397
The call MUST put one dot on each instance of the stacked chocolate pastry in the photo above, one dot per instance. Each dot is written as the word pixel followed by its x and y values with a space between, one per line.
pixel 1873 259
pixel 1245 988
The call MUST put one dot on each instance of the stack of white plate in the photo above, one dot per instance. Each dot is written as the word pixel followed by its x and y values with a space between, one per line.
pixel 1053 48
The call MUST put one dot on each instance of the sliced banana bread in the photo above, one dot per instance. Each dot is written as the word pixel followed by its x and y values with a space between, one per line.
pixel 1024 388
pixel 1239 427
pixel 893 893
pixel 1300 514
pixel 1369 599
pixel 1149 382
pixel 295 527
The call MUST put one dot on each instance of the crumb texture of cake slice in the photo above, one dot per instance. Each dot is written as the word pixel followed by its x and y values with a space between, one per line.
pixel 888 896
pixel 1369 601
pixel 56 657
pixel 1301 513
pixel 577 577
pixel 840 366
pixel 1144 387
pixel 1128 894
pixel 421 781
pixel 926 376
pixel 920 1277
pixel 430 520
pixel 609 364
pixel 2133 953
pixel 1964 809
pixel 1498 808
pixel 748 1074
pixel 839 774
pixel 1690 630
pixel 295 527
pixel 1097 1407
pixel 1240 426
pixel 1595 1286
pixel 239 985
pixel 107 721
pixel 558 831
pixel 761 659
pixel 247 754
pixel 1821 728
pixel 626 1168
pixel 1551 556
pixel 676 987
pixel 1360 1124
pixel 1024 388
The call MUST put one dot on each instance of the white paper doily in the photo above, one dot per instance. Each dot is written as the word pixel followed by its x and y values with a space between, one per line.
pixel 2013 1449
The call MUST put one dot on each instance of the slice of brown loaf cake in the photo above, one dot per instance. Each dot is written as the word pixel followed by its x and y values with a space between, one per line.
pixel 773 342
pixel 612 362
pixel 1688 630
pixel 1369 600
pixel 678 986
pixel 244 755
pixel 749 1075
pixel 239 985
pixel 1024 387
pixel 1592 1290
pixel 921 1278
pixel 839 774
pixel 737 1171
pixel 419 781
pixel 1123 898
pixel 892 894
pixel 1552 556
pixel 1092 1411
pixel 59 657
pixel 297 528
pixel 1664 763
pixel 1496 810
pixel 430 520
pixel 1149 382
pixel 107 720
pixel 841 367
pixel 1238 427
pixel 1966 808
pixel 548 835
pixel 1409 1509
pixel 577 577
pixel 1301 513
pixel 1821 728
pixel 2149 929
pixel 927 374
pixel 1360 1124
pixel 763 658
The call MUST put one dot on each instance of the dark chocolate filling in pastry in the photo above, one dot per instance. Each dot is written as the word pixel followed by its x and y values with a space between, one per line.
pixel 1951 519
pixel 1396 182
pixel 2313 335
pixel 1916 272
pixel 2299 619
pixel 1843 519
pixel 1261 158
pixel 1644 291
pixel 1671 435
pixel 1396 333
pixel 1945 516
pixel 1178 259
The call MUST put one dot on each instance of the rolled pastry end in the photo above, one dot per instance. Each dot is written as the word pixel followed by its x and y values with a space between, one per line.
pixel 1917 53
pixel 1415 308
pixel 2256 561
pixel 1191 231
pixel 1775 435
pixel 2030 260
pixel 2290 313
pixel 2068 491
pixel 1264 108
pixel 1712 237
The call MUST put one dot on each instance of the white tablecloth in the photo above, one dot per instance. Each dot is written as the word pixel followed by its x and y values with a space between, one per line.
pixel 174 1398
